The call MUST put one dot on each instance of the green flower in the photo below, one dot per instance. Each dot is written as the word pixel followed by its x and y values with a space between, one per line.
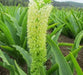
pixel 37 27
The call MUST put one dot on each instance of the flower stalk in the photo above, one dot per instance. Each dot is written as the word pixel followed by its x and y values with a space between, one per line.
pixel 38 15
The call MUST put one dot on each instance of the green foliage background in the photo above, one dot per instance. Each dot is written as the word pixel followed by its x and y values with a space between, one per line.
pixel 14 2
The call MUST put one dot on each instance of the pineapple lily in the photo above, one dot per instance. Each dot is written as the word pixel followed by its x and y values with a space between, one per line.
pixel 38 15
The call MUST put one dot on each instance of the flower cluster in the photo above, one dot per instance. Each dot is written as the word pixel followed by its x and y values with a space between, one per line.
pixel 36 27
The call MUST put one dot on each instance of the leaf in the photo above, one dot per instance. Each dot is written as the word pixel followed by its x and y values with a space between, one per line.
pixel 21 72
pixel 78 40
pixel 76 45
pixel 24 53
pixel 13 26
pixel 3 38
pixel 24 30
pixel 22 16
pixel 11 65
pixel 8 63
pixel 7 33
pixel 60 60
pixel 1 43
pixel 52 26
pixel 76 65
pixel 56 36
pixel 56 30
pixel 4 58
pixel 49 51
pixel 76 20
pixel 9 50
pixel 56 66
pixel 65 44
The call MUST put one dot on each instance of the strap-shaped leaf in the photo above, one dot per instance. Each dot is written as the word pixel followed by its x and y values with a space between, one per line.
pixel 21 72
pixel 56 30
pixel 78 40
pixel 24 30
pixel 24 53
pixel 22 16
pixel 13 26
pixel 60 60
pixel 11 65
pixel 56 36
pixel 55 66
pixel 8 63
pixel 76 65
pixel 5 59
pixel 3 38
pixel 52 26
pixel 7 33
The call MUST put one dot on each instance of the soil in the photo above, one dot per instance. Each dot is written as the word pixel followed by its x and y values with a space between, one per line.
pixel 65 51
pixel 3 71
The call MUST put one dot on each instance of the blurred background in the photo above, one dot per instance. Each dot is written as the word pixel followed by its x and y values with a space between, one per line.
pixel 58 3
pixel 14 2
